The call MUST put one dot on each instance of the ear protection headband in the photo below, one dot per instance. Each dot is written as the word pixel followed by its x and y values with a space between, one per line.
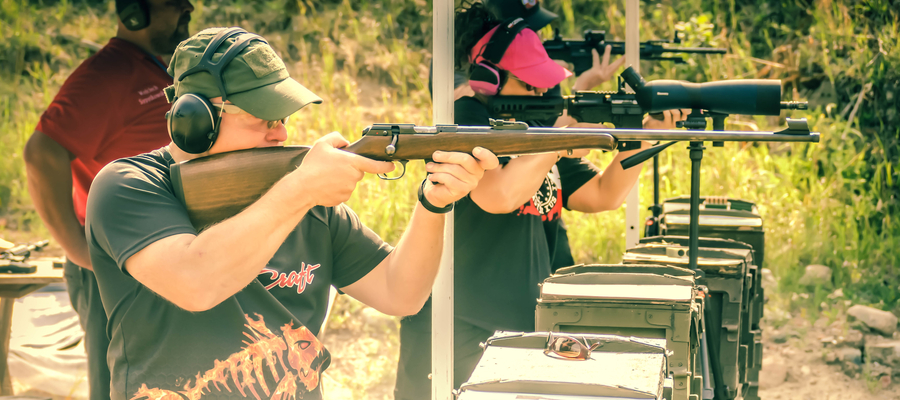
pixel 135 14
pixel 193 125
pixel 485 77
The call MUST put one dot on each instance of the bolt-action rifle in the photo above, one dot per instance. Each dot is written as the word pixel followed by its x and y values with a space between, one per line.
pixel 578 51
pixel 216 187
pixel 14 260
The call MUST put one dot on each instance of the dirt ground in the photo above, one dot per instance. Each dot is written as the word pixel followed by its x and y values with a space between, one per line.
pixel 365 359
pixel 795 370
pixel 364 345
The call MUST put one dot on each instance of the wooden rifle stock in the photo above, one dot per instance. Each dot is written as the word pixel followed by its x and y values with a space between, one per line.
pixel 219 186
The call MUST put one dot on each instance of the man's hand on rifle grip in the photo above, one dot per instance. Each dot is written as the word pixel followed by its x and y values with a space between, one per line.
pixel 329 175
pixel 453 175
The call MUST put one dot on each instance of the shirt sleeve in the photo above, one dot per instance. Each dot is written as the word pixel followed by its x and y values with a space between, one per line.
pixel 357 249
pixel 83 114
pixel 130 207
pixel 573 174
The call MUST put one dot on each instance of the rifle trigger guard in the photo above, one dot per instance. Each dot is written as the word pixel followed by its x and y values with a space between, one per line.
pixel 392 148
pixel 402 162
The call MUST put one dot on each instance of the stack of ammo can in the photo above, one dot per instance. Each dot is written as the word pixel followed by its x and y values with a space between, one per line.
pixel 649 301
pixel 740 221
pixel 653 295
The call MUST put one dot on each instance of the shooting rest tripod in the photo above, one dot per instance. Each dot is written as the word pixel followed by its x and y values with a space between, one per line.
pixel 697 121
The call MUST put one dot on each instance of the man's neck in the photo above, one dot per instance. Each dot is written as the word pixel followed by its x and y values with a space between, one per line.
pixel 141 42
pixel 137 38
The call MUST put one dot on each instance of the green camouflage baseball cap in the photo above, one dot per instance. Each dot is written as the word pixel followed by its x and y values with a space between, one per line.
pixel 256 80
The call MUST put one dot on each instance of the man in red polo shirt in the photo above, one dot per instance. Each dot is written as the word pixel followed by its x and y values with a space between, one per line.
pixel 112 106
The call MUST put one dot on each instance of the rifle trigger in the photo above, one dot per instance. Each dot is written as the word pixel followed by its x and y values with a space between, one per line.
pixel 388 178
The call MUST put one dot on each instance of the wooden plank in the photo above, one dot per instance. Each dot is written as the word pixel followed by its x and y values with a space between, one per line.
pixel 6 309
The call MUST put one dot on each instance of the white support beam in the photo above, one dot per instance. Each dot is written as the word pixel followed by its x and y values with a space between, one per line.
pixel 442 292
pixel 633 225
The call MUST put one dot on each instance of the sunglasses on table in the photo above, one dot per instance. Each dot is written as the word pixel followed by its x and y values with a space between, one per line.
pixel 569 347
pixel 233 109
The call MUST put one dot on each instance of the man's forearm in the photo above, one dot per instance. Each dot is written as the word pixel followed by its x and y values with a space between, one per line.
pixel 49 177
pixel 199 272
pixel 504 189
pixel 411 268
pixel 617 182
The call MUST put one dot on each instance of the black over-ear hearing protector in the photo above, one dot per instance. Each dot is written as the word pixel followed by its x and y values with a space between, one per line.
pixel 193 125
pixel 135 14
pixel 484 77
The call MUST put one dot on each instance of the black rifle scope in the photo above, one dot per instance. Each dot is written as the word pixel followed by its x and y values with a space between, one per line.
pixel 740 96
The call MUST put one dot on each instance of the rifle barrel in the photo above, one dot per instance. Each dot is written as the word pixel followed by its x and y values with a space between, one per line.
pixel 795 134
pixel 694 50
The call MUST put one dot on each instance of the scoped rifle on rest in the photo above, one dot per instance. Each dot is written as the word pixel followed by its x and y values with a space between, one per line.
pixel 627 110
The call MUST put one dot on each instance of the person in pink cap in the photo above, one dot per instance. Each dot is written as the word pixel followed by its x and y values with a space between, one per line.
pixel 507 228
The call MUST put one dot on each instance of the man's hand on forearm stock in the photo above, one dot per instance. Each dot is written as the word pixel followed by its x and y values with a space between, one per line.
pixel 454 175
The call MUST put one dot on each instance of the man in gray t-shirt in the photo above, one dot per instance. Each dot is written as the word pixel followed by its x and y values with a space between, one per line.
pixel 232 311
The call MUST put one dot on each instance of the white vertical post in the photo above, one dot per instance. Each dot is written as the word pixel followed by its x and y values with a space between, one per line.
pixel 442 293
pixel 633 224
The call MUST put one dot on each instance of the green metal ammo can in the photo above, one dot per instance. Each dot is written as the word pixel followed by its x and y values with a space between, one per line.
pixel 726 272
pixel 751 332
pixel 720 217
pixel 645 301
pixel 517 365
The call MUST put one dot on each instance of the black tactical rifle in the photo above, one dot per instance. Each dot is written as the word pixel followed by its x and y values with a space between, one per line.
pixel 578 51
pixel 14 260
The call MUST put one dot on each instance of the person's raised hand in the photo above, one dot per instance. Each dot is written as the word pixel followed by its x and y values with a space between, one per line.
pixel 329 175
pixel 453 175
pixel 600 72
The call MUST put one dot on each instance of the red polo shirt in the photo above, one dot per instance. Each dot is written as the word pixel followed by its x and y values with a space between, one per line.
pixel 111 107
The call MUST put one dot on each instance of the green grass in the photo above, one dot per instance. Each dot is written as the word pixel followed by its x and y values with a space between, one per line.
pixel 833 203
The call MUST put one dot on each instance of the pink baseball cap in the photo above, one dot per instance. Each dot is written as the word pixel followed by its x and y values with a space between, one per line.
pixel 526 59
